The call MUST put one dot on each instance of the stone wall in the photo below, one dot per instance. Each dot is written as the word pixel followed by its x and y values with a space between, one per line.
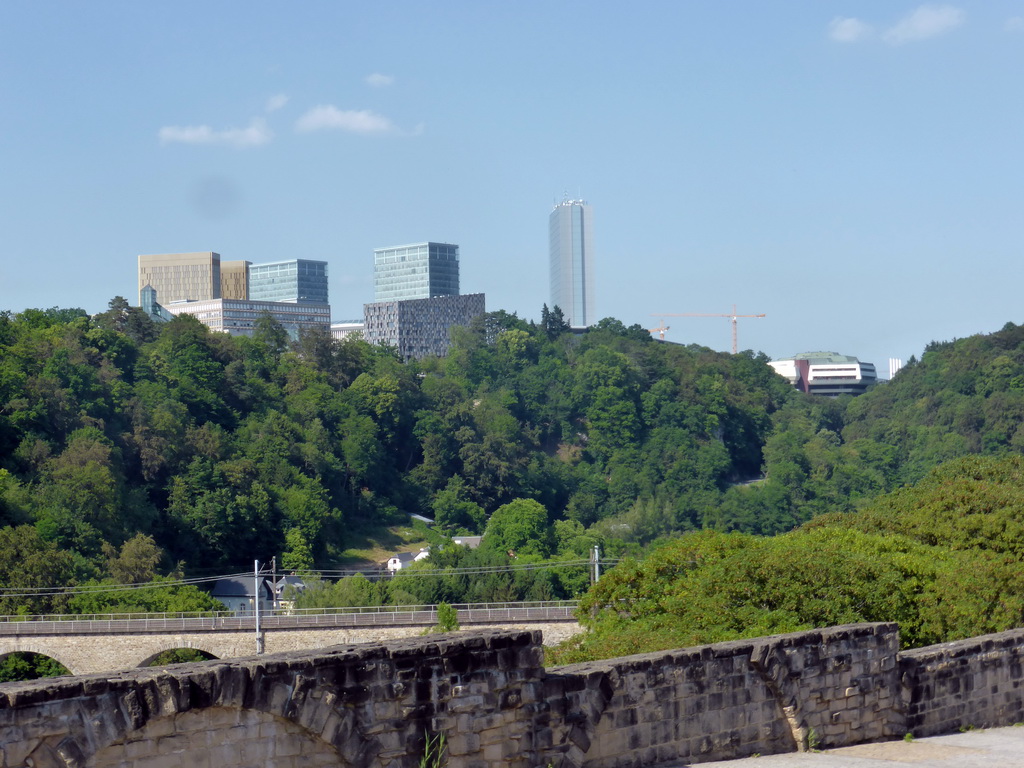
pixel 831 687
pixel 487 692
pixel 967 684
pixel 357 706
pixel 215 737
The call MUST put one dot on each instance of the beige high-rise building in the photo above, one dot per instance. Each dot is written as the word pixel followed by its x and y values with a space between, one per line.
pixel 234 279
pixel 181 276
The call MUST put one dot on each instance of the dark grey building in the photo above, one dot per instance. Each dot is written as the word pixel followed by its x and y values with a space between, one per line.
pixel 420 327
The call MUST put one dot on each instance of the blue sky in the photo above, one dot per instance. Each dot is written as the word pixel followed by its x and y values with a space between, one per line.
pixel 854 170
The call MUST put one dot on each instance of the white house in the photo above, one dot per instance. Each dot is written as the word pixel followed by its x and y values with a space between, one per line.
pixel 398 561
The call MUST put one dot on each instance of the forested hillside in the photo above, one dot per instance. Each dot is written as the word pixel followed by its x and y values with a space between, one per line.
pixel 942 553
pixel 943 558
pixel 130 451
pixel 224 449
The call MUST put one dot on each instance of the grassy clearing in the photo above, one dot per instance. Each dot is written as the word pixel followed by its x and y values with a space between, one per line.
pixel 371 546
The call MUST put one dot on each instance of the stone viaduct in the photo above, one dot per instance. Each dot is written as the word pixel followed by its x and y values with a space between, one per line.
pixel 106 645
pixel 496 705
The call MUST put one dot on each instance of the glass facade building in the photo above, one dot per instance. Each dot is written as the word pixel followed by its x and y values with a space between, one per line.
pixel 570 227
pixel 418 271
pixel 295 280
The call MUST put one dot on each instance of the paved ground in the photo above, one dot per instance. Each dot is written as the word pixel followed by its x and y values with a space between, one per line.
pixel 993 748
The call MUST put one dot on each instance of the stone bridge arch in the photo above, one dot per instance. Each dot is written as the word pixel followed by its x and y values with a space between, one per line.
pixel 56 651
pixel 92 653
pixel 151 658
pixel 91 649
pixel 345 706
pixel 272 712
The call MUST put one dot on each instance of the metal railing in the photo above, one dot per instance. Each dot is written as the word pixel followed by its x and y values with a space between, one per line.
pixel 297 618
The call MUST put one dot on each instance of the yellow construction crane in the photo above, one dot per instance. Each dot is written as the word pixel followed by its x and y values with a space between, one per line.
pixel 732 316
pixel 660 330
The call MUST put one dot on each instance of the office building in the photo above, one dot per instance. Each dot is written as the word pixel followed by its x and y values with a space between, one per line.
pixel 231 296
pixel 570 227
pixel 181 276
pixel 417 300
pixel 238 317
pixel 826 373
pixel 417 271
pixel 420 328
pixel 295 280
pixel 234 279
pixel 149 305
pixel 346 328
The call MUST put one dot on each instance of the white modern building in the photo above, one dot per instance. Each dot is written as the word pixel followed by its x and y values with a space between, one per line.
pixel 239 317
pixel 347 328
pixel 570 227
pixel 826 373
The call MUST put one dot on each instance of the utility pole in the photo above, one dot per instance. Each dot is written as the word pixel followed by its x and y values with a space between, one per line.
pixel 273 583
pixel 595 556
pixel 256 603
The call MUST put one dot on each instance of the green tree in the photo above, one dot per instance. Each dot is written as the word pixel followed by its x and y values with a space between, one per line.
pixel 161 595
pixel 297 556
pixel 180 656
pixel 454 511
pixel 447 619
pixel 553 321
pixel 351 591
pixel 135 562
pixel 521 526
pixel 29 666
pixel 30 568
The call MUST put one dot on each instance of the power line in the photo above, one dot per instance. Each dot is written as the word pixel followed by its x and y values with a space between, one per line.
pixel 377 574
pixel 473 571
pixel 89 589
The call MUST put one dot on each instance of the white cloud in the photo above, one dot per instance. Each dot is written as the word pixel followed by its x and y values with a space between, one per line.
pixel 254 135
pixel 377 80
pixel 327 117
pixel 276 101
pixel 925 22
pixel 848 30
pixel 1014 24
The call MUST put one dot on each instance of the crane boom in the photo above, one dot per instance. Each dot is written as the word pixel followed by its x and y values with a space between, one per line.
pixel 733 317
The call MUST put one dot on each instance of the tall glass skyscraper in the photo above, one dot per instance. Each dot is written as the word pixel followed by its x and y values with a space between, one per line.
pixel 572 262
pixel 418 271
